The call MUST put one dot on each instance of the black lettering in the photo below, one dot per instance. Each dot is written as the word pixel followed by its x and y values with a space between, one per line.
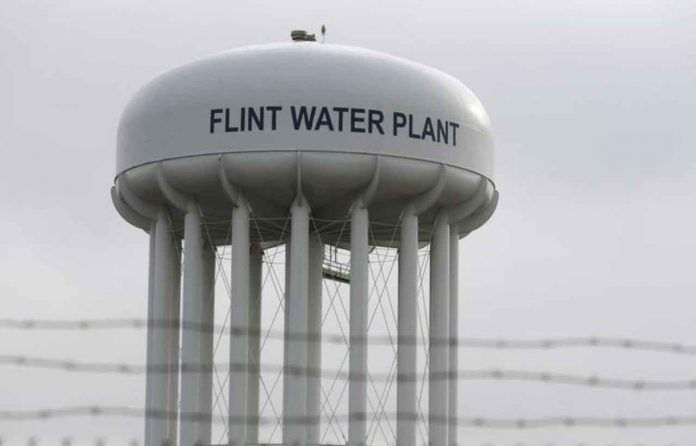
pixel 256 118
pixel 340 111
pixel 355 119
pixel 324 119
pixel 428 129
pixel 299 117
pixel 442 131
pixel 399 121
pixel 375 117
pixel 214 119
pixel 228 127
pixel 454 126
pixel 273 109
pixel 410 128
pixel 321 118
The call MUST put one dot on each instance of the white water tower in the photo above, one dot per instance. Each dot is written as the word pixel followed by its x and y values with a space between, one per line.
pixel 222 150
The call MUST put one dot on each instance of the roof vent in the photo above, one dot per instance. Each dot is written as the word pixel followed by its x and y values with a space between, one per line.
pixel 300 35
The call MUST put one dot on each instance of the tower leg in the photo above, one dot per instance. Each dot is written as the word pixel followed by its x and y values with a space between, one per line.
pixel 191 338
pixel 239 326
pixel 439 333
pixel 408 310
pixel 164 294
pixel 453 336
pixel 150 420
pixel 207 343
pixel 295 379
pixel 359 281
pixel 256 277
pixel 174 344
pixel 314 315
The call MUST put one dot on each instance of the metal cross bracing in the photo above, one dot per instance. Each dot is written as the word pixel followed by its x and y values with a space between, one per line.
pixel 381 288
pixel 333 291
pixel 424 328
pixel 381 323
pixel 370 311
pixel 270 284
pixel 376 407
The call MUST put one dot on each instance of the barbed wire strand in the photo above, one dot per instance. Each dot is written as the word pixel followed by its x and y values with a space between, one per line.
pixel 478 374
pixel 465 342
pixel 34 440
pixel 474 422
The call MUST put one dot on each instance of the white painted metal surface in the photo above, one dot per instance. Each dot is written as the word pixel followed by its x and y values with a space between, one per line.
pixel 453 358
pixel 239 326
pixel 163 295
pixel 254 340
pixel 192 339
pixel 175 115
pixel 295 377
pixel 344 132
pixel 438 396
pixel 207 340
pixel 173 325
pixel 407 329
pixel 249 111
pixel 359 289
pixel 314 316
pixel 150 421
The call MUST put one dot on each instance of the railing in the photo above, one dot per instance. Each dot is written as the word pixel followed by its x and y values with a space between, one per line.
pixel 335 269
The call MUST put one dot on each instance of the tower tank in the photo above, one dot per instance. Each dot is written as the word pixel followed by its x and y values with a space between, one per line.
pixel 279 144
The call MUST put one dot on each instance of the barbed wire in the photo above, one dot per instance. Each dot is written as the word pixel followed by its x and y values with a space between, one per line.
pixel 480 374
pixel 473 422
pixel 464 342
pixel 68 441
pixel 104 441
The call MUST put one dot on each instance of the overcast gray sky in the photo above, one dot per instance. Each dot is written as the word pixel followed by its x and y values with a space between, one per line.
pixel 593 106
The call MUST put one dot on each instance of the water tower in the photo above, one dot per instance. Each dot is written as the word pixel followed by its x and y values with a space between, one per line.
pixel 221 151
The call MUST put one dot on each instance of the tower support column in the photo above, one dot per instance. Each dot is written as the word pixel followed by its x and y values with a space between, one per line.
pixel 162 331
pixel 407 329
pixel 150 421
pixel 438 396
pixel 239 327
pixel 207 344
pixel 295 378
pixel 359 287
pixel 452 434
pixel 254 345
pixel 314 316
pixel 174 345
pixel 192 333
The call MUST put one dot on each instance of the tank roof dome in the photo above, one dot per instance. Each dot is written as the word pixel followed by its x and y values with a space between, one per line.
pixel 306 96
